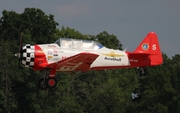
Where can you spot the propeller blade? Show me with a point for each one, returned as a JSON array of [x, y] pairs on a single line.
[[19, 54], [20, 43]]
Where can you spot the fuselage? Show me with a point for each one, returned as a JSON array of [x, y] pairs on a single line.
[[67, 55], [40, 56], [72, 54]]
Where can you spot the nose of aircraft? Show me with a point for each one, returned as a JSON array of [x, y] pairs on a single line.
[[27, 56]]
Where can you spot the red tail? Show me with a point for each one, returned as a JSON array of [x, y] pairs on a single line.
[[148, 52]]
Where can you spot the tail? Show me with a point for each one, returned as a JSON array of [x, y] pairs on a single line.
[[150, 46]]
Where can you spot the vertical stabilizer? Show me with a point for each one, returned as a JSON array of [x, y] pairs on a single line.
[[150, 45]]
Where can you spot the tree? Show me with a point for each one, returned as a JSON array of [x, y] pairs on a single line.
[[93, 91], [108, 40], [18, 85], [71, 33], [41, 27], [161, 86], [8, 102]]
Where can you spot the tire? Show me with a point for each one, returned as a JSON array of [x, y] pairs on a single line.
[[42, 84]]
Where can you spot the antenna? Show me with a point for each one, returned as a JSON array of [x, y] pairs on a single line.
[[126, 48]]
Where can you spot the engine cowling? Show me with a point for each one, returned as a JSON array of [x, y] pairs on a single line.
[[27, 56], [32, 56]]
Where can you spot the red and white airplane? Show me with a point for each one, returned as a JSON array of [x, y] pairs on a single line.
[[67, 55]]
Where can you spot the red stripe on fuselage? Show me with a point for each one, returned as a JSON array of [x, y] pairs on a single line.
[[40, 61]]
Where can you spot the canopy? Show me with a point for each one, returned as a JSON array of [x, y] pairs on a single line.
[[78, 44]]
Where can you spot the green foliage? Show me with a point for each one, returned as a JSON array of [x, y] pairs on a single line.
[[110, 41], [107, 91], [69, 33], [104, 38]]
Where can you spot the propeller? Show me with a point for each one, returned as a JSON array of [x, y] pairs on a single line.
[[20, 44], [19, 54]]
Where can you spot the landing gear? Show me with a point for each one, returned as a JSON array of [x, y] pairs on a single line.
[[51, 82], [47, 81], [42, 84], [136, 93]]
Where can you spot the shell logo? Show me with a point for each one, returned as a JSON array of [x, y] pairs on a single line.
[[113, 54]]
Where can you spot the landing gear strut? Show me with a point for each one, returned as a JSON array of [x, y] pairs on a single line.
[[136, 94], [48, 81], [42, 84]]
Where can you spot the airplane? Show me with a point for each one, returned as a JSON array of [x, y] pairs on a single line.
[[70, 55]]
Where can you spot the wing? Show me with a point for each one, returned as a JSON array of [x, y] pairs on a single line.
[[79, 62]]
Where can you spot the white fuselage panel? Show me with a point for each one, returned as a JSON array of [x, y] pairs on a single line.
[[107, 57]]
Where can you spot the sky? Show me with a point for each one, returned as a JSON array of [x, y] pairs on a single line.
[[129, 20]]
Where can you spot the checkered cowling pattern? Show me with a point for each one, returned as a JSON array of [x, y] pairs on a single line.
[[28, 56]]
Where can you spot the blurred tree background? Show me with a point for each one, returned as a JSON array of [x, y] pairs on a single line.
[[107, 91]]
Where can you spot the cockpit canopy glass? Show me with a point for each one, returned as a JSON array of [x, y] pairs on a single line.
[[78, 44]]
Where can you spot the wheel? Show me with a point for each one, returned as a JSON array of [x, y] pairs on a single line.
[[42, 84], [51, 82]]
